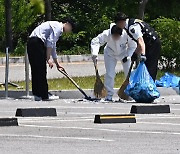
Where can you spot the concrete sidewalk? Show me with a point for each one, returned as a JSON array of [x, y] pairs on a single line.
[[61, 58], [75, 65], [75, 94], [78, 69]]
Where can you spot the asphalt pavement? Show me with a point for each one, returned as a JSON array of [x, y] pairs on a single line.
[[73, 131]]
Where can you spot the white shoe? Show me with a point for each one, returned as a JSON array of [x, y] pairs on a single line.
[[107, 100], [51, 98], [37, 98]]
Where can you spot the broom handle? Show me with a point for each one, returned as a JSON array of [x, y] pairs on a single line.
[[96, 69], [73, 82], [129, 72]]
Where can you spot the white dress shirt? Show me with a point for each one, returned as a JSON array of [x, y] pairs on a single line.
[[49, 32]]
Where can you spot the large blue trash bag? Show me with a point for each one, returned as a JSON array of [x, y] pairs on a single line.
[[168, 80], [141, 86]]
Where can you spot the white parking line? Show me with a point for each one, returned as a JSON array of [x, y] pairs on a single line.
[[107, 130], [164, 115], [74, 107], [60, 120], [90, 113], [54, 137], [8, 111], [50, 118], [175, 109], [85, 119], [160, 117], [153, 123], [86, 107], [89, 118]]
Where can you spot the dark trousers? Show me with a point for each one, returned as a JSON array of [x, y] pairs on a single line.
[[37, 58], [152, 55]]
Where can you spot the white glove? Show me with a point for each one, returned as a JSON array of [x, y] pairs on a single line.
[[94, 58]]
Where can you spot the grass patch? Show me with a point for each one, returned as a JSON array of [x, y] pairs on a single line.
[[2, 54], [64, 83], [83, 82], [162, 72]]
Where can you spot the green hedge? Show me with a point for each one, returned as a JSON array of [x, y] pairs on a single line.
[[169, 32]]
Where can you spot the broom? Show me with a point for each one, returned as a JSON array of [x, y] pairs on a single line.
[[99, 88], [77, 86], [121, 92]]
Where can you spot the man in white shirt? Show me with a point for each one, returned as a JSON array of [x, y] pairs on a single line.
[[41, 45], [148, 43], [119, 46]]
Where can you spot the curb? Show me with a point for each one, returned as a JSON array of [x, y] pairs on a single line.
[[150, 109], [36, 112], [75, 94], [115, 118], [61, 58], [8, 122]]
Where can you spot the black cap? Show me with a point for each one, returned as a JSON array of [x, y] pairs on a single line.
[[120, 16]]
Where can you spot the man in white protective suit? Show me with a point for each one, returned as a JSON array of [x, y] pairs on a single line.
[[119, 46]]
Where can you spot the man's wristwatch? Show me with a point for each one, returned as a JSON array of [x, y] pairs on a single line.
[[143, 58]]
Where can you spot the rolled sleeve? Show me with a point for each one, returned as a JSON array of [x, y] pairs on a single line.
[[54, 53], [135, 31]]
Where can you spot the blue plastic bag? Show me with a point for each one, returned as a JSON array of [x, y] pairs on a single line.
[[168, 80], [179, 87], [141, 86]]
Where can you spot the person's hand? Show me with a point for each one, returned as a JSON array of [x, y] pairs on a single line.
[[59, 67], [50, 63], [94, 58], [143, 58]]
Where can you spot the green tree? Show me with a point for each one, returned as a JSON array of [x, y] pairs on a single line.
[[92, 17], [142, 6], [168, 9], [8, 27], [2, 25], [23, 18], [47, 10]]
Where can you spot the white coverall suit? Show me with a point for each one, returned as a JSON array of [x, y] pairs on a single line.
[[113, 51]]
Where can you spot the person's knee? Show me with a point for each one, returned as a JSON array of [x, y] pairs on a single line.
[[110, 75]]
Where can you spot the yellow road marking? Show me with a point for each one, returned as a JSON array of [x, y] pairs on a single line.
[[115, 117]]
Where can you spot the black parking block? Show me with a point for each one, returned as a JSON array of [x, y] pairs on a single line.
[[8, 122], [36, 112], [150, 109], [120, 118]]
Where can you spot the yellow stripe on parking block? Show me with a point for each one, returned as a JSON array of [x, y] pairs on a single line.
[[116, 117]]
